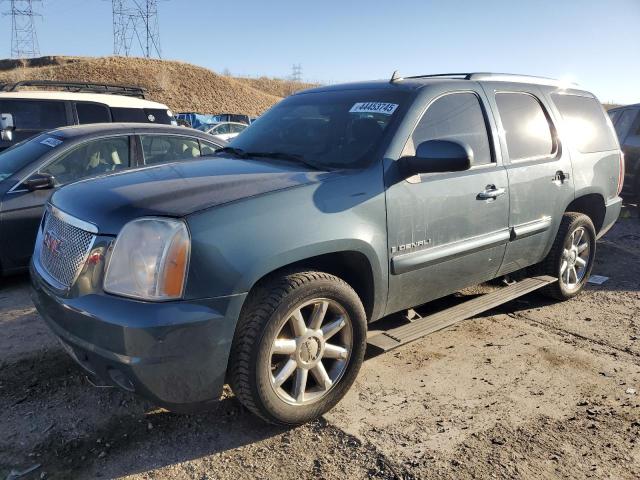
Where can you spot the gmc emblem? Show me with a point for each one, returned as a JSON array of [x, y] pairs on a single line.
[[52, 243]]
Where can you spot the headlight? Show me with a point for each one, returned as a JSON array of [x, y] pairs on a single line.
[[149, 260]]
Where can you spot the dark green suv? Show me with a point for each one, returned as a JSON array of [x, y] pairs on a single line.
[[263, 266]]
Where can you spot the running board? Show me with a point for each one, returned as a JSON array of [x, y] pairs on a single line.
[[424, 326]]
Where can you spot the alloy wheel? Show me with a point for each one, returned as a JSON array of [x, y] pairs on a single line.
[[311, 351], [575, 259]]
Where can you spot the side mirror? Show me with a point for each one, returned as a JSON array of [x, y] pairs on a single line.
[[39, 181], [435, 156], [6, 127]]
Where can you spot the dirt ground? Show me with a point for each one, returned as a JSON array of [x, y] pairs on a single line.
[[533, 389]]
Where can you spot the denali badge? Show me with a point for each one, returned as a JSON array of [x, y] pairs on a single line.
[[52, 242], [411, 246]]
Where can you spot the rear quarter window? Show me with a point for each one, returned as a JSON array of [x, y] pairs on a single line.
[[141, 115], [585, 123], [92, 113]]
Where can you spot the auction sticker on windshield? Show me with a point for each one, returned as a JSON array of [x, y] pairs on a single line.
[[374, 107], [51, 142]]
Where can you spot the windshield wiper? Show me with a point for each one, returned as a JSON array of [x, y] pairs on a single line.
[[236, 152], [288, 157]]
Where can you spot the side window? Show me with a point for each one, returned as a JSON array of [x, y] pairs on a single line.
[[208, 148], [165, 148], [526, 128], [585, 123], [88, 159], [237, 128], [135, 115], [221, 129], [92, 113], [456, 116], [35, 114], [625, 122]]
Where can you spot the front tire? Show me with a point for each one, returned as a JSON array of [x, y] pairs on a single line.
[[571, 257], [298, 347]]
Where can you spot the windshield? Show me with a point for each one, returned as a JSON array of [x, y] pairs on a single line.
[[339, 129], [22, 154]]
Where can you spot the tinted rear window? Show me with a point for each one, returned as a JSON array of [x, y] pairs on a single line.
[[526, 128], [92, 113], [141, 115], [585, 123], [35, 114]]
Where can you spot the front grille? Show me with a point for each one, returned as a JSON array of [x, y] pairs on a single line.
[[63, 248]]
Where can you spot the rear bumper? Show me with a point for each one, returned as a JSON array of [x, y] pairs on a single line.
[[612, 212], [174, 354]]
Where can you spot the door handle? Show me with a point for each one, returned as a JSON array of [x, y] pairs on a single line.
[[560, 177], [491, 192]]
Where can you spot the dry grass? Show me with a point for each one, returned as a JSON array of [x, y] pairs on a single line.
[[181, 86]]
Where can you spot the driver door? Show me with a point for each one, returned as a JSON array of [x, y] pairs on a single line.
[[447, 231], [22, 209]]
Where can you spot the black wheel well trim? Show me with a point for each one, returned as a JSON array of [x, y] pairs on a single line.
[[592, 205], [352, 266]]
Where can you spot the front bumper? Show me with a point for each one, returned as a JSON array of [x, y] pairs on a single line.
[[174, 353]]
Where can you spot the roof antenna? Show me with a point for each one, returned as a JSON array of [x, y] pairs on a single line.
[[395, 77]]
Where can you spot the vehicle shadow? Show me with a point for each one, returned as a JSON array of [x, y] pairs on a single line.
[[131, 444]]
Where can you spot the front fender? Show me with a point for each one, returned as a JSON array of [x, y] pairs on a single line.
[[235, 245]]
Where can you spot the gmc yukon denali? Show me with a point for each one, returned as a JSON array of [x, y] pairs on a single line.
[[263, 265]]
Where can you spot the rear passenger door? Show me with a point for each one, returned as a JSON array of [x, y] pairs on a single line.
[[540, 172], [443, 235]]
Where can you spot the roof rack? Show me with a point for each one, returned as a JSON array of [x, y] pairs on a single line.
[[499, 77], [126, 90]]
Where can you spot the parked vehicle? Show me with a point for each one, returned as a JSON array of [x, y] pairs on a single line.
[[32, 170], [198, 120], [25, 113], [627, 124], [342, 205], [227, 130]]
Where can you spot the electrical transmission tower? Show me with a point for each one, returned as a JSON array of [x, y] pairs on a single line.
[[24, 41], [135, 24], [296, 73]]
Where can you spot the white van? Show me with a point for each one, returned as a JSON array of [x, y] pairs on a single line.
[[25, 112]]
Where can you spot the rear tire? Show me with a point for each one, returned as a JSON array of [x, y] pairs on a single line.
[[298, 347], [571, 257]]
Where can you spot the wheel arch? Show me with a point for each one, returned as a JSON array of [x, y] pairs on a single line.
[[351, 265], [592, 205]]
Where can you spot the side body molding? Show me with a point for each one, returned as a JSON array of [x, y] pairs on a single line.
[[412, 261], [531, 228]]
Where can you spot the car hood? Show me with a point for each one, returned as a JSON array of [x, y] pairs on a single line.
[[176, 189]]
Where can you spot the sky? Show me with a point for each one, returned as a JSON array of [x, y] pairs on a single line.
[[592, 42]]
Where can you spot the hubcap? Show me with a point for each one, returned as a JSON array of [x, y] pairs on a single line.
[[304, 364], [575, 259]]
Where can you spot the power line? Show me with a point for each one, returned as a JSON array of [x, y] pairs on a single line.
[[24, 40], [135, 26]]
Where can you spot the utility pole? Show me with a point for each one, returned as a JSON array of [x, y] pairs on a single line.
[[296, 73], [24, 40], [135, 22]]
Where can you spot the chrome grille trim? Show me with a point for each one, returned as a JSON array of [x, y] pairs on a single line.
[[74, 243]]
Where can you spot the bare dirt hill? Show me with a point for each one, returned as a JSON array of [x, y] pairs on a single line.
[[181, 86]]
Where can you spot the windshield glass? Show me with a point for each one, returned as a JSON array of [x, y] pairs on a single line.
[[22, 154], [339, 129]]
